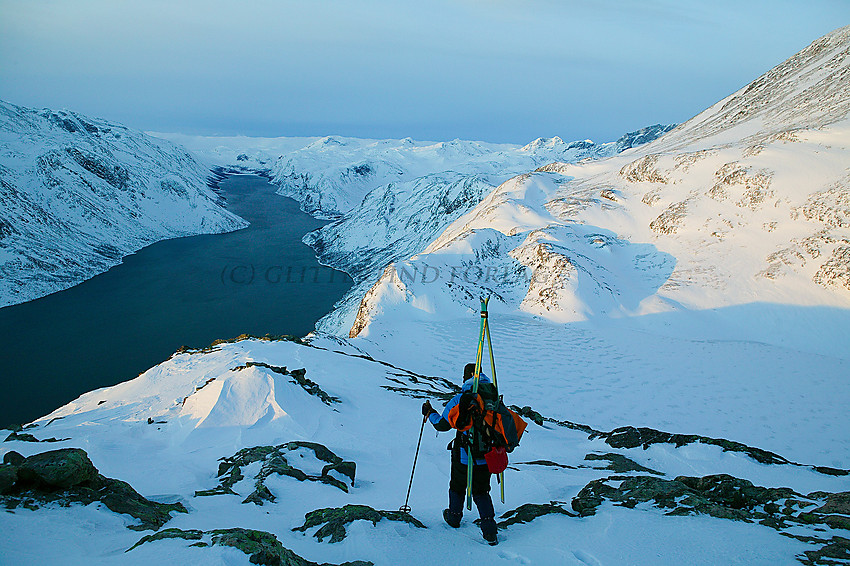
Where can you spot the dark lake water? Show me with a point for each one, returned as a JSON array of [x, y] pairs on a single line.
[[186, 291]]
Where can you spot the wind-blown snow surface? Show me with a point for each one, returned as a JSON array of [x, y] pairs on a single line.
[[203, 409], [77, 194]]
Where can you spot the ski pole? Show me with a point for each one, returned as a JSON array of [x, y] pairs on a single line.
[[406, 508]]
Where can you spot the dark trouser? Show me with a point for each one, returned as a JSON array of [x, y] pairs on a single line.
[[480, 487]]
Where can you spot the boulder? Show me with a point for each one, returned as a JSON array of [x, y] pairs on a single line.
[[13, 458], [61, 468], [8, 477]]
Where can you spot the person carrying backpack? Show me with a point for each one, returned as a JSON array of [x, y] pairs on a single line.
[[453, 412]]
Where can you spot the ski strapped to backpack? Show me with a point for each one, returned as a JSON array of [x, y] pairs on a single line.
[[495, 427], [492, 429]]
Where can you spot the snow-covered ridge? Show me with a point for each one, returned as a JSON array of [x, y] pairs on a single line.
[[77, 194], [399, 218], [332, 175], [390, 198], [675, 232], [746, 202]]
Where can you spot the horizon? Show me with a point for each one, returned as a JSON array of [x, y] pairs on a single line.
[[493, 72]]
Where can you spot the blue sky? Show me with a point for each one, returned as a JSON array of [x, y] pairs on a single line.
[[494, 70]]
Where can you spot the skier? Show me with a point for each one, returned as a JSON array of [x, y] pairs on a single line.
[[459, 462]]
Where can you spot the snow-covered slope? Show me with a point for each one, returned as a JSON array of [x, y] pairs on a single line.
[[171, 432], [399, 218], [77, 194], [332, 175], [747, 202], [688, 399], [390, 198]]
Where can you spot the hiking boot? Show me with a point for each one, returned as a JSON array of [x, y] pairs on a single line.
[[452, 518], [488, 530]]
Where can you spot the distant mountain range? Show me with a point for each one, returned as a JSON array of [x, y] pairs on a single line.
[[77, 194], [671, 320], [748, 201]]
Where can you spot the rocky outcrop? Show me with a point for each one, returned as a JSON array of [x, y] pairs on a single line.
[[334, 520], [726, 497], [274, 461], [644, 437], [260, 546], [530, 511], [27, 437], [68, 476], [298, 377], [58, 468]]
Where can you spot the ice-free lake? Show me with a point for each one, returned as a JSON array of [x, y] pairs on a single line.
[[186, 291]]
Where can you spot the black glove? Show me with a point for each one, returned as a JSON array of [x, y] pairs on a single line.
[[427, 409]]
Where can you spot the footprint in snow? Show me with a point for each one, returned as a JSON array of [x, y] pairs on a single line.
[[586, 558], [514, 557]]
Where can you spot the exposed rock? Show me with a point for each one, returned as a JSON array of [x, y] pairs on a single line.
[[335, 519], [530, 511], [631, 437], [417, 385], [643, 170], [837, 551], [62, 468], [260, 546], [548, 463], [298, 377], [27, 437], [620, 464], [719, 495], [836, 270], [21, 437], [68, 476], [727, 497], [274, 461], [191, 534], [668, 221], [13, 458], [642, 136], [830, 206], [529, 413], [754, 188], [241, 337], [8, 477]]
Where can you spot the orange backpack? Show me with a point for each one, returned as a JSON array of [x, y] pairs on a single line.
[[493, 424]]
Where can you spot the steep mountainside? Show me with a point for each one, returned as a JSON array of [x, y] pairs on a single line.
[[710, 430], [332, 175], [78, 194], [398, 219], [748, 201]]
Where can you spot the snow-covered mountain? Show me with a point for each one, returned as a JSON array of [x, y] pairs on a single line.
[[332, 175], [77, 194], [389, 198], [687, 400], [425, 188], [748, 201]]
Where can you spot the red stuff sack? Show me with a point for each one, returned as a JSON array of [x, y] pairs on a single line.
[[497, 459]]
